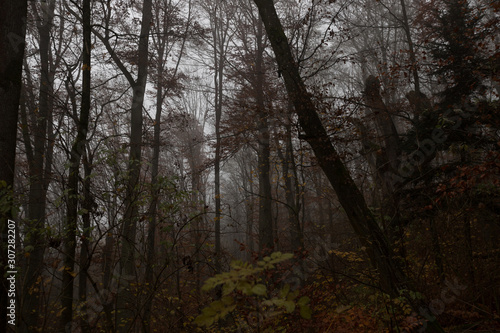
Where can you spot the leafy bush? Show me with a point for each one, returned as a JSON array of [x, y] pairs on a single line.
[[245, 289]]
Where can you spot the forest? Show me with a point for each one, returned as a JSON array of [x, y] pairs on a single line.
[[250, 166]]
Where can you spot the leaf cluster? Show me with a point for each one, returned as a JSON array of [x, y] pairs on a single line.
[[244, 284]]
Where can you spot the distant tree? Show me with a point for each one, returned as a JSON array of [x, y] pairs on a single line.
[[169, 31], [251, 74], [453, 43], [220, 14]]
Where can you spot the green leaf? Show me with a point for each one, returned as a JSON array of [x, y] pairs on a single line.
[[227, 300], [259, 289], [289, 306], [217, 306], [204, 320], [293, 295], [305, 312], [244, 286], [227, 310], [209, 311], [228, 288], [284, 292], [304, 300], [275, 255]]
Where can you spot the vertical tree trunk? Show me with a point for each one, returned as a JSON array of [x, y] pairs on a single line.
[[152, 213], [411, 48], [392, 278], [436, 247], [12, 40], [39, 167], [218, 209], [126, 312], [219, 41], [77, 151], [291, 192], [88, 202], [469, 251], [266, 229], [387, 163], [249, 206]]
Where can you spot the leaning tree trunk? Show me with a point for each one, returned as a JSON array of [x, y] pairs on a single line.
[[392, 278]]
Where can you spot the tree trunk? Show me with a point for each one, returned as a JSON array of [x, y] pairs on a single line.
[[39, 168], [152, 213], [85, 257], [12, 40], [219, 42], [436, 247], [126, 313], [411, 48], [266, 232], [77, 151], [392, 278], [291, 191], [387, 163]]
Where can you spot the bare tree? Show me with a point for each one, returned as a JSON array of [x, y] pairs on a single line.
[[125, 313], [39, 151], [165, 20], [77, 150]]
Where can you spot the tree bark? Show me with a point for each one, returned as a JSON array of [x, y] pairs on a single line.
[[291, 191], [77, 150], [219, 37], [388, 161], [152, 213], [411, 48], [85, 255], [266, 229], [39, 165], [12, 40], [126, 313]]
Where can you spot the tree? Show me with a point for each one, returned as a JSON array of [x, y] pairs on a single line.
[[77, 150], [252, 77], [393, 279], [220, 13], [166, 21], [12, 40], [125, 313], [39, 151]]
